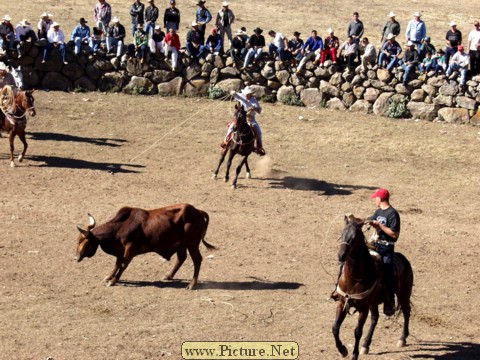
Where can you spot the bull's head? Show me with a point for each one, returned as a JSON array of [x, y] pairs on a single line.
[[87, 243]]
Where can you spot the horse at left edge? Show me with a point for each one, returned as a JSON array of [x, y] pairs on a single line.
[[13, 117]]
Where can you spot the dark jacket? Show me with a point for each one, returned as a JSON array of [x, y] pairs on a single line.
[[117, 32], [171, 15], [136, 11], [151, 13]]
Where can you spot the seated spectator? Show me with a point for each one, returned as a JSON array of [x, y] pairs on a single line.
[[369, 56], [426, 48], [156, 43], [439, 63], [214, 44], [80, 35], [140, 43], [313, 43], [426, 64], [410, 61], [116, 37], [459, 62], [389, 54], [237, 51], [172, 44], [7, 33], [56, 39], [277, 46], [256, 43], [44, 25], [348, 53], [95, 40], [330, 48], [23, 33], [294, 49], [194, 42]]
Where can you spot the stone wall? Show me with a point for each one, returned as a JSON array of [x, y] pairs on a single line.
[[377, 91]]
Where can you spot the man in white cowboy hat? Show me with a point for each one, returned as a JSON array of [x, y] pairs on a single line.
[[391, 26], [7, 32], [116, 37], [224, 21], [453, 38], [391, 49], [330, 49], [56, 39], [194, 45], [44, 25], [416, 30], [409, 61], [238, 50], [7, 79], [251, 105], [24, 32], [202, 18]]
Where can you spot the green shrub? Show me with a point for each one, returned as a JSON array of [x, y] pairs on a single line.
[[397, 109], [268, 98], [216, 93], [293, 100]]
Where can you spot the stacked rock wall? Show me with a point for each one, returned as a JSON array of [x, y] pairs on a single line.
[[376, 91]]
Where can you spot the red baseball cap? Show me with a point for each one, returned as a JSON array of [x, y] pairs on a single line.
[[381, 193]]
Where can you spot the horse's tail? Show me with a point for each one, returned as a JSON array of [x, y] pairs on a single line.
[[7, 99], [206, 217], [404, 282]]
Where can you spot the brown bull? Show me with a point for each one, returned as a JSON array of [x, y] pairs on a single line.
[[133, 231]]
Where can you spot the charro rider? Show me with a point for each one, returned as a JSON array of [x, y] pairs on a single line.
[[8, 91], [251, 105], [386, 222]]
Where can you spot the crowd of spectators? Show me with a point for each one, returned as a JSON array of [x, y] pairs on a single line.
[[153, 37]]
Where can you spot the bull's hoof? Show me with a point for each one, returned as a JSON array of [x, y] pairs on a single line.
[[249, 176], [401, 343], [12, 164], [20, 158], [364, 350]]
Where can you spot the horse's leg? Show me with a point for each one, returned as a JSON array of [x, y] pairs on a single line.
[[11, 137], [362, 317], [229, 163], [249, 175], [237, 172], [404, 301], [340, 316], [22, 138], [374, 320], [220, 161]]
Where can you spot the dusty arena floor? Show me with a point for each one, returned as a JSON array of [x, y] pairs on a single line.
[[276, 263]]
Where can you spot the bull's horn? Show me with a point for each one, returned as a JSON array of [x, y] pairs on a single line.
[[91, 221], [83, 231]]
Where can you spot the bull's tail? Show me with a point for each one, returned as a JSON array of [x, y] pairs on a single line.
[[207, 220]]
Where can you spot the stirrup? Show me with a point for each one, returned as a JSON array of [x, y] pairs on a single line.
[[260, 151]]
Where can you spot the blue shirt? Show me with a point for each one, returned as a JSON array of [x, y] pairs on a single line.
[[203, 16], [394, 49], [416, 30], [83, 32], [313, 44]]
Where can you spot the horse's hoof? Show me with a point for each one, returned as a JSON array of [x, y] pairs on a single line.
[[234, 187], [344, 351], [226, 179], [401, 343], [214, 176], [12, 164], [20, 158], [364, 350], [249, 176]]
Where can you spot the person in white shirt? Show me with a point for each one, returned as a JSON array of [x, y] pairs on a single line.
[[44, 25], [459, 62], [56, 39], [24, 32], [370, 55], [474, 48], [278, 45]]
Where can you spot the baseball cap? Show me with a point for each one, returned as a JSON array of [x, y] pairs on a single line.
[[460, 47], [381, 193]]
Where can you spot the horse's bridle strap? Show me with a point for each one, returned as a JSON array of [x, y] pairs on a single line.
[[360, 296]]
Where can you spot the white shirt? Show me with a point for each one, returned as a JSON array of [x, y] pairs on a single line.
[[279, 40], [55, 36], [474, 40], [370, 50], [43, 24], [461, 59], [248, 104], [22, 31]]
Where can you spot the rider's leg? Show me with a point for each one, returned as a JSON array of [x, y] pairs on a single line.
[[334, 295], [227, 136], [389, 303], [258, 134]]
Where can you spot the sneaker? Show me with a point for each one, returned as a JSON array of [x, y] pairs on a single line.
[[242, 68], [43, 61], [65, 62]]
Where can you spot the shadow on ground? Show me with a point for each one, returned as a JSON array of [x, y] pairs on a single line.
[[49, 136], [68, 163], [453, 350], [296, 183]]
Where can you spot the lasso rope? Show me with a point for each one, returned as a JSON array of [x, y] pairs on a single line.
[[7, 100]]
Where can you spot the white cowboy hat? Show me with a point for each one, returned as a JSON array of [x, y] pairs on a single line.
[[157, 27], [3, 67], [392, 14], [116, 19], [409, 43], [247, 90], [239, 32], [55, 24], [453, 23], [45, 14], [417, 13], [24, 22], [390, 36], [329, 30], [225, 3], [7, 17], [194, 23]]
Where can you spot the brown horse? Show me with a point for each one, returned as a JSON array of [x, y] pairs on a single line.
[[242, 143], [13, 117], [361, 286]]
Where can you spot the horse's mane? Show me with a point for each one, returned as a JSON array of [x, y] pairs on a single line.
[[7, 100]]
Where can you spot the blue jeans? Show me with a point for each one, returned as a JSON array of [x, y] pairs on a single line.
[[408, 69], [195, 52], [392, 60], [48, 49], [94, 45], [387, 253], [463, 72], [252, 53], [272, 49], [149, 28]]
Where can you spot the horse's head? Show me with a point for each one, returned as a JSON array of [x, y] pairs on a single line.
[[26, 102], [352, 238], [240, 116]]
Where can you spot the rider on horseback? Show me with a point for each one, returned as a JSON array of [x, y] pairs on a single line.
[[6, 78], [251, 106]]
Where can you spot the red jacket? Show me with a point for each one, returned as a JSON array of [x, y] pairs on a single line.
[[173, 40]]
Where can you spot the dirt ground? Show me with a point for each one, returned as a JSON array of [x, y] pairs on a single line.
[[277, 233]]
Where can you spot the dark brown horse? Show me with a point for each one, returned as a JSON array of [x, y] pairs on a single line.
[[361, 286], [13, 117], [242, 143]]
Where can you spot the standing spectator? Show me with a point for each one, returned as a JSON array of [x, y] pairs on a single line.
[[474, 48], [256, 43], [460, 62], [278, 45], [348, 52], [102, 15], [390, 51], [453, 39], [116, 37], [225, 19], [203, 17], [410, 61], [7, 33], [156, 42], [426, 48], [294, 50], [194, 45], [392, 26], [136, 12], [416, 30], [313, 43], [330, 48], [172, 44], [369, 56], [151, 16], [140, 43], [56, 39], [214, 42], [24, 32], [171, 18], [80, 35], [355, 28], [237, 51], [44, 25]]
